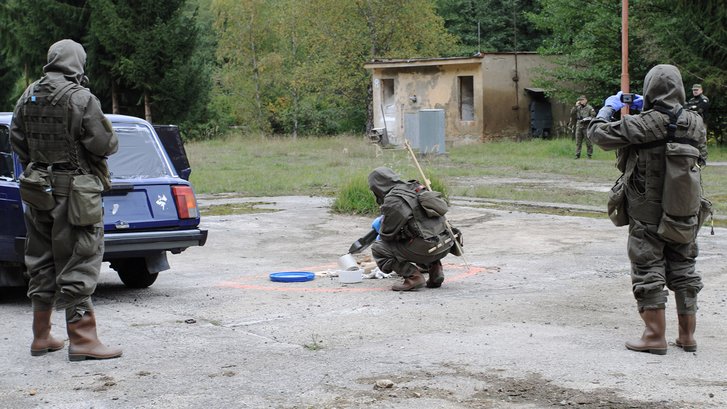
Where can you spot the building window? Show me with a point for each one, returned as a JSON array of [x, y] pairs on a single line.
[[466, 98]]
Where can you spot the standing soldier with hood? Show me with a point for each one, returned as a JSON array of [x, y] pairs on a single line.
[[63, 139], [412, 229], [664, 144]]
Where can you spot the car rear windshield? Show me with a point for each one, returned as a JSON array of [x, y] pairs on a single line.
[[139, 155]]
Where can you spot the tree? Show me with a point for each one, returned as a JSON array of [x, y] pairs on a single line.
[[29, 27], [302, 62], [503, 25], [584, 42], [690, 35], [149, 45]]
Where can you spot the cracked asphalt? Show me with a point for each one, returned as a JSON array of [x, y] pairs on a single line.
[[536, 318]]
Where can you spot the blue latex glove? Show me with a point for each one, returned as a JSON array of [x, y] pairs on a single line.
[[614, 101], [376, 224], [638, 103]]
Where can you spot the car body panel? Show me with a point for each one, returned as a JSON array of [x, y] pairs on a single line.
[[140, 213]]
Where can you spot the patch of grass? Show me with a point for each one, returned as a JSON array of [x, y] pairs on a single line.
[[315, 344], [356, 198], [534, 208], [234, 208], [324, 166], [538, 193]]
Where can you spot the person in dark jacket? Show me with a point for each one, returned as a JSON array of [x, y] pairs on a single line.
[[412, 229], [662, 243], [699, 102], [63, 139]]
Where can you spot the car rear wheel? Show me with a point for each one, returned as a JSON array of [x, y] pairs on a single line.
[[134, 272]]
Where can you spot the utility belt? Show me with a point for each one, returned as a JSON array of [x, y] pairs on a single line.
[[57, 176], [40, 185], [53, 167]]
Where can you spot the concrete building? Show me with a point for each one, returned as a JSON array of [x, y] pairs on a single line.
[[487, 96]]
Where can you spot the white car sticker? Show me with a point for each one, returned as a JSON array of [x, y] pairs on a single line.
[[162, 201]]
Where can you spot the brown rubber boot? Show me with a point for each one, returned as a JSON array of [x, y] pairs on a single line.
[[653, 339], [84, 343], [414, 281], [43, 341], [436, 275], [687, 325]]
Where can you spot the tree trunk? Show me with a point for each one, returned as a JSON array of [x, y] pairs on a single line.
[[114, 97], [147, 106]]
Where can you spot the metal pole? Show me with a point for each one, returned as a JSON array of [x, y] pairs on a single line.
[[625, 52]]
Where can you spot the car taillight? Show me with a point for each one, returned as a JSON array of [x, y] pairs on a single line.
[[186, 203]]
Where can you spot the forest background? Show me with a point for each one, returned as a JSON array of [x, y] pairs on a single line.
[[295, 67]]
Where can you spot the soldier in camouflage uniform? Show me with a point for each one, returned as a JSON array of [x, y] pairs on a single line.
[[657, 260], [62, 137], [413, 230], [581, 114]]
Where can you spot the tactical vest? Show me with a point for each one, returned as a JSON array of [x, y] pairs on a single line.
[[419, 224], [45, 115], [658, 179]]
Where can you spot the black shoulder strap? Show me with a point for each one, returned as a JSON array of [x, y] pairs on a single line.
[[672, 127]]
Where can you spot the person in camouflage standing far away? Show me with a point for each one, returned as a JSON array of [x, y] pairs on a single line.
[[663, 145], [63, 139], [581, 114]]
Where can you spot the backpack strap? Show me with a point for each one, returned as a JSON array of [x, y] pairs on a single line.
[[671, 130]]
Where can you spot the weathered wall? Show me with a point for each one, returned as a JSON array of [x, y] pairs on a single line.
[[505, 101], [501, 104], [427, 87]]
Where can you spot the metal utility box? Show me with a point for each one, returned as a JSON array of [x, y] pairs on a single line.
[[411, 129], [431, 131]]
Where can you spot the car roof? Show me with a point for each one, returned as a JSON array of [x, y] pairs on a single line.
[[5, 118]]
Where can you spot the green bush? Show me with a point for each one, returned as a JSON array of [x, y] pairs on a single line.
[[356, 198]]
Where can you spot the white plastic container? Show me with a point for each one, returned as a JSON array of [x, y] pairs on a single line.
[[350, 276], [347, 262]]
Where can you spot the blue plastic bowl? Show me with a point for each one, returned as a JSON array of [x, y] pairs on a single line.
[[292, 276]]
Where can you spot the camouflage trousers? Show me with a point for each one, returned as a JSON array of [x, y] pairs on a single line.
[[398, 255], [656, 263], [580, 137], [63, 261]]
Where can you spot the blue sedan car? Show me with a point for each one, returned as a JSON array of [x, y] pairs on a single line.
[[149, 212]]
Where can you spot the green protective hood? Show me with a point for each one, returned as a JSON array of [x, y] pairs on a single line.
[[66, 57], [381, 181], [663, 87]]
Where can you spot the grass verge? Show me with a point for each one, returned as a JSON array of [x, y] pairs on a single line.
[[536, 170]]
